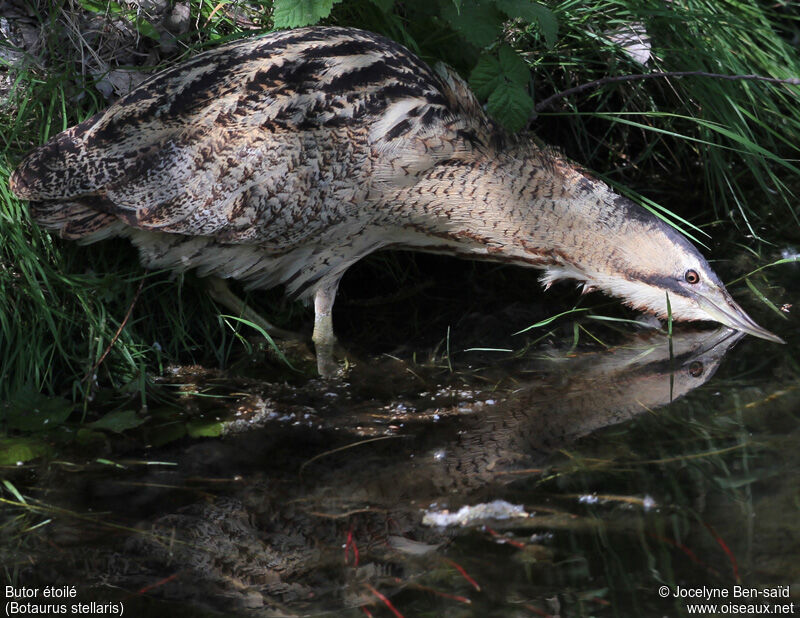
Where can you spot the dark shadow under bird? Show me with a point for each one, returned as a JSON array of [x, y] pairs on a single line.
[[284, 159]]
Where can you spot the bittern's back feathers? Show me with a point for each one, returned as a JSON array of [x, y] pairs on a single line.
[[231, 118]]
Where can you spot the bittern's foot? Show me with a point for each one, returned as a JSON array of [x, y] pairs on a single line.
[[327, 365], [334, 361]]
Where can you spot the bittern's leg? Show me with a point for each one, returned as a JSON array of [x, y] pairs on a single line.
[[324, 339], [220, 292]]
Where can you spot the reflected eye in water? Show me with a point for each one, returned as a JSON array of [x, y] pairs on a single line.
[[696, 369]]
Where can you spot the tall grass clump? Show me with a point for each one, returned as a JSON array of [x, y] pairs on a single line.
[[734, 144], [62, 306]]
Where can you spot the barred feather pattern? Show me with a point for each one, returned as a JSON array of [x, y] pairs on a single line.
[[284, 159], [262, 159]]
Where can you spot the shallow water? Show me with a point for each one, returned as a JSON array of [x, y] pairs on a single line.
[[562, 481]]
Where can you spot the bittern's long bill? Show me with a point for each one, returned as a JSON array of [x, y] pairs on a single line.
[[284, 159]]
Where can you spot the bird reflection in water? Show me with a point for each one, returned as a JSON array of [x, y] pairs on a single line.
[[272, 540]]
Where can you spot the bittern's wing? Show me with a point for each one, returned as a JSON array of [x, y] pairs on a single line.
[[251, 135]]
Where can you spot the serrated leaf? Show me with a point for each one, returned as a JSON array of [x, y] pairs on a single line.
[[293, 13], [485, 77], [503, 80], [118, 422], [514, 68], [533, 12], [510, 105], [480, 23]]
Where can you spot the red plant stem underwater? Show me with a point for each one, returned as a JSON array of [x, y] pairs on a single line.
[[464, 574], [351, 542], [386, 601], [726, 549], [159, 583]]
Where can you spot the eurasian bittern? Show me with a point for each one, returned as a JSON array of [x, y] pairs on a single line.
[[284, 159]]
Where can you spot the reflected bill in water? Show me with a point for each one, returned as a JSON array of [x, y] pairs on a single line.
[[324, 518]]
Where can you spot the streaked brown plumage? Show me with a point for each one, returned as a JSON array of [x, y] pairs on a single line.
[[287, 158]]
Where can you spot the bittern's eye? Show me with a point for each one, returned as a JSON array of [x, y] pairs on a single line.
[[696, 369], [691, 276]]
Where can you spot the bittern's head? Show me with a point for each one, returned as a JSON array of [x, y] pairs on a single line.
[[631, 254]]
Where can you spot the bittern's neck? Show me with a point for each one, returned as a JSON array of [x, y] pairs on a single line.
[[525, 206]]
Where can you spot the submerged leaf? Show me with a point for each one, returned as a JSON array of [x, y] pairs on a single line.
[[17, 450], [30, 410], [119, 421], [164, 434], [204, 429]]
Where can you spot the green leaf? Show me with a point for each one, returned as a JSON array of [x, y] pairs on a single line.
[[551, 319], [29, 410], [101, 6], [108, 462], [293, 13], [104, 7], [14, 491], [511, 105], [14, 450], [118, 422], [764, 299], [486, 76], [533, 12], [145, 28], [263, 333], [204, 429], [491, 71], [480, 23], [514, 68], [503, 80]]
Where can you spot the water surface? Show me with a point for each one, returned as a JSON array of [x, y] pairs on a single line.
[[565, 480]]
